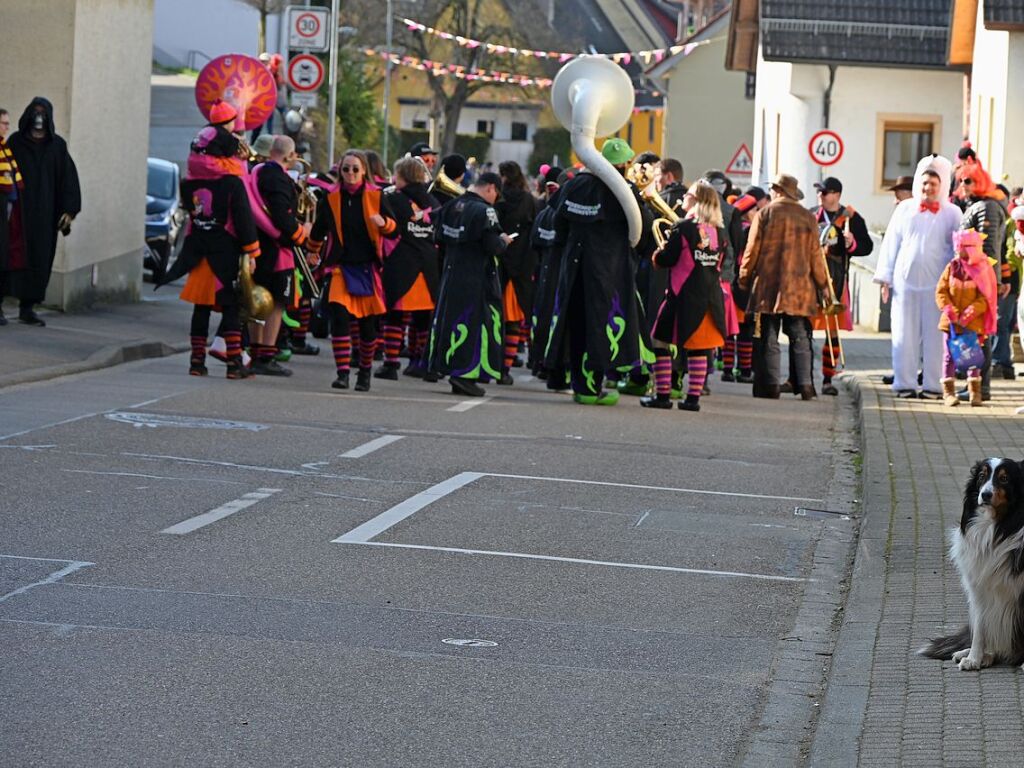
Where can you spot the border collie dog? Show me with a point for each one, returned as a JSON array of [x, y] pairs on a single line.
[[988, 551]]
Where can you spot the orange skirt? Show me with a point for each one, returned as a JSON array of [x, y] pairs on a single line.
[[417, 297], [707, 335], [513, 312], [845, 319], [201, 285], [357, 306]]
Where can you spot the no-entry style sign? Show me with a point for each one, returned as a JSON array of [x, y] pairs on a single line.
[[305, 73], [307, 28], [826, 148]]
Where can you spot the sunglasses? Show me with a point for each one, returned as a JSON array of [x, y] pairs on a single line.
[[351, 168]]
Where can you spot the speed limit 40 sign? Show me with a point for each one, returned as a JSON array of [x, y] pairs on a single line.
[[826, 148]]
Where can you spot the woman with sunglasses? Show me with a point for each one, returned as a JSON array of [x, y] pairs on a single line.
[[355, 219]]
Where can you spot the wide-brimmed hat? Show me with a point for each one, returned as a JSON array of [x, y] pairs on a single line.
[[263, 144], [904, 183], [788, 186]]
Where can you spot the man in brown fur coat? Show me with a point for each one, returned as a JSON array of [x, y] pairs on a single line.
[[784, 271]]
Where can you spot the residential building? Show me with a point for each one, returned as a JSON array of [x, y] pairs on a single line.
[[709, 110], [988, 37], [875, 73]]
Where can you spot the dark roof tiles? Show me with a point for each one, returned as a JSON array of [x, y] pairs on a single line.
[[1004, 12], [907, 33]]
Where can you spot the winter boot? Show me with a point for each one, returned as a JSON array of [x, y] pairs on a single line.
[[949, 397], [363, 380], [974, 389]]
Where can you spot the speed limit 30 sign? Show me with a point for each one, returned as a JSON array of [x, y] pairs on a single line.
[[308, 28], [826, 148]]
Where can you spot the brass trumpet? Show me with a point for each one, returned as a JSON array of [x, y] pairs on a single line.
[[643, 175], [444, 184]]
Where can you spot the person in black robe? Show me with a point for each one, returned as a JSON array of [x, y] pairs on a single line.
[[597, 318], [466, 333], [544, 239], [516, 211], [50, 201]]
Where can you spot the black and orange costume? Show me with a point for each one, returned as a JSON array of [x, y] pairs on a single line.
[[516, 211], [274, 206], [832, 229], [220, 229], [410, 276], [692, 313], [12, 244], [353, 262]]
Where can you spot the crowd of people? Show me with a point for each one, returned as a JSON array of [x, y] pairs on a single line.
[[471, 272], [470, 282]]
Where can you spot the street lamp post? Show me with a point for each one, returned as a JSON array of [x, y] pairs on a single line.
[[332, 84], [387, 85]]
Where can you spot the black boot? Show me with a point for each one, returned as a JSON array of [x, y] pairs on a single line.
[[363, 380], [691, 403], [342, 381], [658, 401], [388, 371]]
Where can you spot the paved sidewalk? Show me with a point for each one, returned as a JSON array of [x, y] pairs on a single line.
[[886, 706], [107, 334]]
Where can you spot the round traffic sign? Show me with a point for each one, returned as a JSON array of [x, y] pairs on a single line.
[[307, 25], [826, 148], [305, 73]]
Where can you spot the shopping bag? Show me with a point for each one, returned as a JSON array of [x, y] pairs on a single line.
[[965, 349]]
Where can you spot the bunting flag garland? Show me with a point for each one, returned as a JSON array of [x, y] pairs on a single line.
[[457, 70], [656, 55]]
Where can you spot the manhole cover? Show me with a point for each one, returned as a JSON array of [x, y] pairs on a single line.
[[470, 643]]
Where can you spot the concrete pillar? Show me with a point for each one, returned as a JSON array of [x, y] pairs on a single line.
[[92, 59]]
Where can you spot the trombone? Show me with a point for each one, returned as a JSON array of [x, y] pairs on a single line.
[[831, 307], [306, 209]]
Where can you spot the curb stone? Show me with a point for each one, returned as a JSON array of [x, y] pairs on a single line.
[[106, 357]]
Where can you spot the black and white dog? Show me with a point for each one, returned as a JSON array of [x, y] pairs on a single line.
[[988, 551]]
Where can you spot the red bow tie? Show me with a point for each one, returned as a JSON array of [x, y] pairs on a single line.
[[933, 207]]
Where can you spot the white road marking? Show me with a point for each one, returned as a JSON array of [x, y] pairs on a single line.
[[466, 405], [199, 521], [370, 447], [153, 477], [653, 487], [377, 525], [636, 566], [273, 470], [52, 424], [53, 578]]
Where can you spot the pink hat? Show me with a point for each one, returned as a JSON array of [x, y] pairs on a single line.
[[222, 112], [969, 240]]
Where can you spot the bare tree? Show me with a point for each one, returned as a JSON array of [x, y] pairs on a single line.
[[266, 8], [520, 23]]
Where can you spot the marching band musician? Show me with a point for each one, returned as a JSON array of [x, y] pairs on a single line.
[[222, 227], [843, 234], [275, 203], [597, 316], [356, 218], [466, 333], [410, 272]]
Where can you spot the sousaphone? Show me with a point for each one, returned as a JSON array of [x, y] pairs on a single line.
[[593, 97]]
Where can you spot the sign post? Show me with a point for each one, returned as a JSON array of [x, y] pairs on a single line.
[[332, 82], [307, 28], [826, 148]]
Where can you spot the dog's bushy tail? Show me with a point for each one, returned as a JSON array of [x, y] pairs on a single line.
[[943, 648]]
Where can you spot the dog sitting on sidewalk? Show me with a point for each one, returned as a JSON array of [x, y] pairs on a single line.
[[988, 551]]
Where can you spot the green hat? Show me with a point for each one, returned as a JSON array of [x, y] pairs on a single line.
[[617, 151]]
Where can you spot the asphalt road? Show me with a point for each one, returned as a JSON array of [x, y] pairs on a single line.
[[204, 572]]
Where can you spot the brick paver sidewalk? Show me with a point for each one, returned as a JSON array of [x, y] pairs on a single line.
[[886, 705]]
